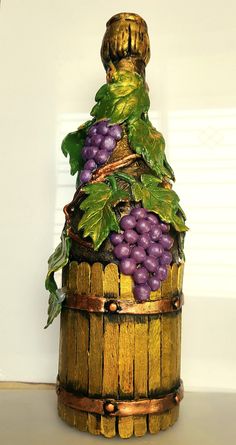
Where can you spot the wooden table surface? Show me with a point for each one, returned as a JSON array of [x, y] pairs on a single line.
[[30, 417]]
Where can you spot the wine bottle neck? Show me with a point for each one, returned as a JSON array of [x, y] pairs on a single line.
[[131, 64]]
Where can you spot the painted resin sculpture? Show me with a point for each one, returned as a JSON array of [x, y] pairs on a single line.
[[122, 259]]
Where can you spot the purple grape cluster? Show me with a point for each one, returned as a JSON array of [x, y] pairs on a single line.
[[99, 144], [143, 250]]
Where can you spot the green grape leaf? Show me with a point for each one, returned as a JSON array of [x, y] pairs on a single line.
[[124, 97], [150, 144], [56, 261], [99, 217], [157, 199], [72, 145]]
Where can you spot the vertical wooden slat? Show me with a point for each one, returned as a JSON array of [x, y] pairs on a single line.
[[95, 348], [175, 374], [180, 273], [154, 367], [126, 357], [166, 348], [140, 369], [69, 333], [179, 327], [154, 377], [111, 348], [82, 334], [63, 348]]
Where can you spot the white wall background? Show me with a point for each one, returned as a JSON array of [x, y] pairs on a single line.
[[51, 68]]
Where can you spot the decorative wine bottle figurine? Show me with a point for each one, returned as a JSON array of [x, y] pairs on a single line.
[[122, 257]]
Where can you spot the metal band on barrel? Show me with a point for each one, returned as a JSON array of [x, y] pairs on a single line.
[[122, 408], [93, 303]]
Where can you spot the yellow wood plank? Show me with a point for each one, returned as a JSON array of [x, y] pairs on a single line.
[[67, 346], [166, 348], [111, 348], [95, 348], [180, 277], [63, 349], [71, 328], [154, 367], [126, 356], [140, 369], [179, 333], [177, 340], [82, 339]]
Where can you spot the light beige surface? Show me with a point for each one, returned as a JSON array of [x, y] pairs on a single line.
[[30, 417]]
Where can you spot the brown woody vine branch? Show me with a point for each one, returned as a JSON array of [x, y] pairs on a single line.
[[100, 174]]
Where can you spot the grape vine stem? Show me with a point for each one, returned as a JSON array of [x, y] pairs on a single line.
[[110, 168]]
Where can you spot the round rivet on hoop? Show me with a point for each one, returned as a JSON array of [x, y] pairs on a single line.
[[177, 399], [109, 407], [176, 303], [112, 307]]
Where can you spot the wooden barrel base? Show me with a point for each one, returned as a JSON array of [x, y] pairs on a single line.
[[118, 356], [124, 427]]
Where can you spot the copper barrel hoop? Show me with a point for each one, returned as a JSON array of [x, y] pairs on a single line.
[[121, 408], [92, 303]]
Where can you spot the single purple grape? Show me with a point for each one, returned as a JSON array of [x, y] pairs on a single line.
[[130, 236], [161, 273], [138, 253], [138, 212], [91, 152], [144, 240], [101, 157], [166, 241], [155, 249], [142, 292], [165, 228], [92, 130], [85, 176], [127, 266], [102, 128], [88, 141], [152, 218], [143, 226], [96, 140], [90, 165], [85, 152], [127, 222], [122, 251], [108, 143], [155, 233], [116, 238], [166, 258], [115, 131], [154, 283], [150, 263], [140, 275]]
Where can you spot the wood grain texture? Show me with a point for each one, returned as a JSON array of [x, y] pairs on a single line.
[[140, 369], [166, 348], [68, 349], [176, 342], [82, 337], [154, 376], [126, 357], [95, 348], [111, 348]]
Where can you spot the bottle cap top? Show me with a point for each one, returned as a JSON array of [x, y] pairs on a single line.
[[126, 36]]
